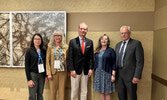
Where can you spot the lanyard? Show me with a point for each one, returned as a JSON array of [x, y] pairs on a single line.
[[56, 51], [39, 58]]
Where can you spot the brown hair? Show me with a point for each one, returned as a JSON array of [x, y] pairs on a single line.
[[99, 46]]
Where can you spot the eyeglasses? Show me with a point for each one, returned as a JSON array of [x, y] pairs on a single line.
[[83, 29], [37, 39], [104, 39], [57, 35], [124, 33]]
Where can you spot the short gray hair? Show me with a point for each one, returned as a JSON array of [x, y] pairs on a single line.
[[128, 27]]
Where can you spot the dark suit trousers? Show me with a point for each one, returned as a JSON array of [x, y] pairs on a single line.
[[126, 87]]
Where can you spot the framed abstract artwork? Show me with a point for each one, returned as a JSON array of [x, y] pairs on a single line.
[[17, 29], [4, 39]]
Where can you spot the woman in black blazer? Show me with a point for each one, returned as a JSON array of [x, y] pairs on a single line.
[[35, 68]]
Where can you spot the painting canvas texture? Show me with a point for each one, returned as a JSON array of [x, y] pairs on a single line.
[[24, 25]]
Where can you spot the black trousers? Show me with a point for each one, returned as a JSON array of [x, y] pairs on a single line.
[[126, 88]]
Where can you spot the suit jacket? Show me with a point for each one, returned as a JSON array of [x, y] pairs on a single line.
[[50, 70], [78, 61], [133, 60], [31, 61]]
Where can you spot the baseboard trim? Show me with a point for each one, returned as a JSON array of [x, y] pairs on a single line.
[[159, 79]]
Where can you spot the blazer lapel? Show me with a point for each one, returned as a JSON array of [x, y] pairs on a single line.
[[117, 51], [78, 44], [86, 45], [128, 46], [119, 45]]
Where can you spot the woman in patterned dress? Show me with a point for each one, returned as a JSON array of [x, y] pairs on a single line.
[[105, 66], [56, 65]]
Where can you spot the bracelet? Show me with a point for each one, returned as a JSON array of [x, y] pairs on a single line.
[[113, 75]]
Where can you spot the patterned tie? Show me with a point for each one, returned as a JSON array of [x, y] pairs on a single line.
[[83, 46], [121, 54]]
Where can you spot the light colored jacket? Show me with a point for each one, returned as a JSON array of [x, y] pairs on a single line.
[[50, 70]]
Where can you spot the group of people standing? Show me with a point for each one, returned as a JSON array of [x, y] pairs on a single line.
[[124, 64]]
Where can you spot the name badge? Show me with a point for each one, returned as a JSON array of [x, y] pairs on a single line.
[[57, 64], [41, 68]]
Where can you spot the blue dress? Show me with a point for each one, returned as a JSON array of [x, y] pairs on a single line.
[[102, 80]]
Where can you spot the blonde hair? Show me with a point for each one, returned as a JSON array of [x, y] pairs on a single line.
[[52, 41]]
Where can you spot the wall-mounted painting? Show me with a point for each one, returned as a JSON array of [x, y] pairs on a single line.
[[4, 40], [22, 27]]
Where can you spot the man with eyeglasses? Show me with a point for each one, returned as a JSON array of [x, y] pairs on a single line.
[[130, 62], [80, 62]]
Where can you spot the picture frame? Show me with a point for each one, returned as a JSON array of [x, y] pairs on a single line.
[[17, 29]]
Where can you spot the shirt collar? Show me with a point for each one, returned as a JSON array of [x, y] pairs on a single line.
[[81, 38], [126, 41]]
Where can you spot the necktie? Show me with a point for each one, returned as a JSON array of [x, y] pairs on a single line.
[[121, 54], [83, 46]]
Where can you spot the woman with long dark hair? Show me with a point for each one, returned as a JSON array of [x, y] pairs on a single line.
[[35, 61]]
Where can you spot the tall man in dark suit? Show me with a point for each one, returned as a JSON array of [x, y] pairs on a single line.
[[80, 62], [130, 61]]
